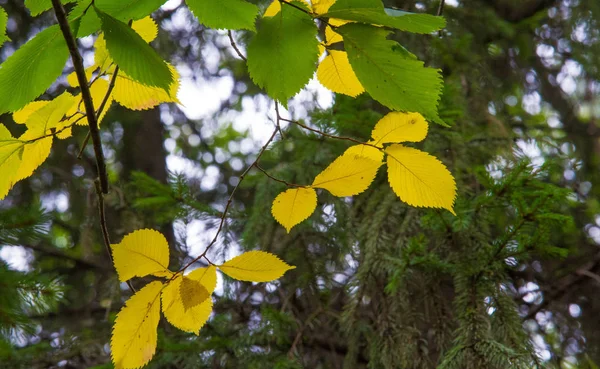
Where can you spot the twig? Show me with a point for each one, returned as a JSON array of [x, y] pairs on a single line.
[[111, 86], [86, 96], [235, 47], [229, 201], [277, 179], [439, 14], [104, 227]]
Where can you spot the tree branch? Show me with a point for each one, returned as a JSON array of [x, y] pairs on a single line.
[[86, 96]]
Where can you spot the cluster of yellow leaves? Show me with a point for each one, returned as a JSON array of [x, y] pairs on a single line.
[[334, 71], [185, 299], [418, 178], [44, 119]]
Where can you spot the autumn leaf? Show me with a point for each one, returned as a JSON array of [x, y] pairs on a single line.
[[255, 266], [293, 206], [141, 253], [348, 175], [134, 335], [336, 74], [420, 179], [400, 127]]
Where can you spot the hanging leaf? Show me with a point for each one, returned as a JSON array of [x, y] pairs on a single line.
[[348, 175], [390, 77], [43, 57], [293, 206], [21, 115], [49, 117], [192, 319], [141, 253], [255, 266], [34, 154], [373, 12], [192, 292], [133, 55], [283, 54], [400, 127], [134, 335], [224, 14], [336, 74], [420, 179], [135, 96], [89, 21]]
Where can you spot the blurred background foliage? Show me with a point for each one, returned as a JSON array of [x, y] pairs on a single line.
[[510, 282]]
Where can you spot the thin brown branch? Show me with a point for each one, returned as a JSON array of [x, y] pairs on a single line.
[[277, 179], [86, 96], [104, 227], [61, 255], [229, 202], [235, 47]]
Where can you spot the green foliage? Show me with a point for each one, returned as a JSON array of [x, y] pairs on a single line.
[[125, 10], [391, 78], [224, 14], [90, 23], [39, 6], [373, 12], [28, 72], [282, 56], [132, 54]]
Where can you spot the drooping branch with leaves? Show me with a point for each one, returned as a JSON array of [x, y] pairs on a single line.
[[345, 42]]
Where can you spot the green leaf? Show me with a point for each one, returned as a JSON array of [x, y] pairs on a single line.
[[28, 72], [90, 23], [224, 14], [373, 12], [3, 22], [282, 56], [133, 55], [391, 78], [39, 6], [125, 10]]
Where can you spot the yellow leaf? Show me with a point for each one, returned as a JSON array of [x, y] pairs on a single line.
[[336, 74], [321, 6], [293, 206], [10, 160], [135, 96], [50, 116], [146, 28], [98, 91], [21, 116], [141, 253], [366, 151], [255, 266], [192, 319], [420, 179], [348, 175], [192, 292], [34, 153], [134, 333], [72, 78], [275, 7], [64, 133], [400, 127], [331, 37]]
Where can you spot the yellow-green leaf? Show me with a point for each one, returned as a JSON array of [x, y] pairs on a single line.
[[134, 333], [10, 160], [293, 206], [321, 6], [348, 175], [400, 127], [255, 266], [34, 153], [336, 74], [141, 253], [21, 116], [366, 151], [192, 319], [275, 7], [420, 179]]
